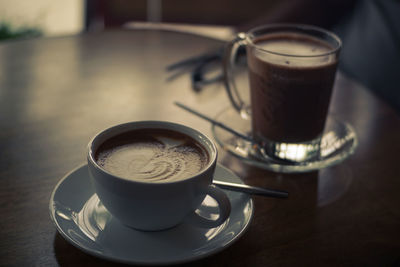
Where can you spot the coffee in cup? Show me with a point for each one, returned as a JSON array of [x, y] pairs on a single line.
[[152, 155], [153, 175]]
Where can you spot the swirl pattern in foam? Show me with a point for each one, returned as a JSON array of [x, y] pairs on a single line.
[[152, 155]]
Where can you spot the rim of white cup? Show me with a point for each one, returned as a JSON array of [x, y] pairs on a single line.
[[153, 124]]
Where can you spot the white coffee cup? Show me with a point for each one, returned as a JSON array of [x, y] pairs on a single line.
[[156, 206]]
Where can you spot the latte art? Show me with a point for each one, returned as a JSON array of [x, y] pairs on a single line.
[[152, 156]]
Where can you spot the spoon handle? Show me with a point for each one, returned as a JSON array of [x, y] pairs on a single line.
[[253, 190], [217, 123]]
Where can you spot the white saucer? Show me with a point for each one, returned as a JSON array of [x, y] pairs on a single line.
[[339, 141], [82, 220]]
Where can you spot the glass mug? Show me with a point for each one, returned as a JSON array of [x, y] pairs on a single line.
[[291, 70]]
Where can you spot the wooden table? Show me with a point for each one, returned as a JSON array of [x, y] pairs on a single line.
[[56, 93]]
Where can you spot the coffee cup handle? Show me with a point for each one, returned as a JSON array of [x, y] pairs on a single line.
[[231, 51], [224, 209]]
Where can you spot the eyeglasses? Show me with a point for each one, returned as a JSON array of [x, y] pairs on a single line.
[[204, 69]]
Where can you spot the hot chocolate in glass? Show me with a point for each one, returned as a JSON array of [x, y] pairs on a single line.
[[291, 73]]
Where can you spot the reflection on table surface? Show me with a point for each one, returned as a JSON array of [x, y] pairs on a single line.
[[56, 93]]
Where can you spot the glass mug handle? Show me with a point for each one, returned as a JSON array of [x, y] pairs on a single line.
[[228, 64]]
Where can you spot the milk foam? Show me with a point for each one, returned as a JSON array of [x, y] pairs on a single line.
[[161, 160], [316, 51]]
